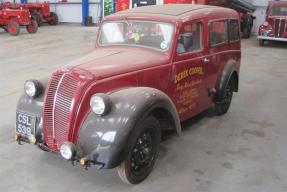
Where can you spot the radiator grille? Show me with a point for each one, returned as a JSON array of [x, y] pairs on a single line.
[[280, 27], [57, 109]]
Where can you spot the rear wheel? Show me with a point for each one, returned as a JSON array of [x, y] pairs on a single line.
[[261, 42], [38, 18], [223, 105], [13, 28], [32, 27], [143, 154], [53, 20]]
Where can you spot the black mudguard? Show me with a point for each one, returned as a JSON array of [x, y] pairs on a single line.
[[226, 74], [106, 139]]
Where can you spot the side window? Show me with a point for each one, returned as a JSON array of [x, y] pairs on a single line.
[[190, 38], [233, 30], [218, 32]]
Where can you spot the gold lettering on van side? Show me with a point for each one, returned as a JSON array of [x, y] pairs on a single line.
[[187, 73]]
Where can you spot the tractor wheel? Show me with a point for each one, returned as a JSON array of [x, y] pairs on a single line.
[[32, 27], [13, 28], [53, 20], [38, 18]]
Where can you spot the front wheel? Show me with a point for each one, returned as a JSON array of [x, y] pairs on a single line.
[[143, 154], [13, 28], [32, 27], [53, 19], [222, 106]]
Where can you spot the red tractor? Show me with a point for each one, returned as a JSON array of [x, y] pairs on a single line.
[[12, 19], [39, 11]]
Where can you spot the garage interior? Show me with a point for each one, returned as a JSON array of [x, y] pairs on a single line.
[[244, 150]]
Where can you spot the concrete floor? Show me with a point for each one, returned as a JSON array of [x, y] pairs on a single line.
[[245, 150]]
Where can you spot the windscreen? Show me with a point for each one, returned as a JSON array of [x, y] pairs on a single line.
[[279, 11], [149, 34]]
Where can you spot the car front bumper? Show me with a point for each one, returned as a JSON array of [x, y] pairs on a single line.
[[272, 38]]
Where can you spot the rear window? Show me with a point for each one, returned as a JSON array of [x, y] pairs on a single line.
[[218, 32], [233, 30]]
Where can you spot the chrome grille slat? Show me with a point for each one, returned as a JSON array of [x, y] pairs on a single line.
[[280, 27], [57, 109]]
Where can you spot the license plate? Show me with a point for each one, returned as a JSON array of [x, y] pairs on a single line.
[[25, 124]]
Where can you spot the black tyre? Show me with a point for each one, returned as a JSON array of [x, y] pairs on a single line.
[[13, 28], [261, 42], [143, 154], [32, 27], [38, 18], [222, 106], [53, 19]]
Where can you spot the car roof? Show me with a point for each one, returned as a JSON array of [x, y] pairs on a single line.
[[168, 9], [171, 11]]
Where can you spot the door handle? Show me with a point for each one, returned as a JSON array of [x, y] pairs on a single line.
[[206, 60]]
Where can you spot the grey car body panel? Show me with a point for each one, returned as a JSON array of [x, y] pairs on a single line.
[[106, 139], [33, 106]]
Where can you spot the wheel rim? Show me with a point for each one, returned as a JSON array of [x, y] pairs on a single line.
[[13, 29], [31, 27], [143, 153]]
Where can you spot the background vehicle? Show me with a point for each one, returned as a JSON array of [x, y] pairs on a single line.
[[244, 8], [39, 11], [12, 19], [275, 26], [152, 68]]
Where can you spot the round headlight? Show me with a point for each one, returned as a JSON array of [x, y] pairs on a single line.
[[33, 88], [100, 104], [67, 150], [266, 24]]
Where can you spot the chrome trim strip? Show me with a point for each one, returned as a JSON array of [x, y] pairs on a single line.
[[54, 103], [272, 38]]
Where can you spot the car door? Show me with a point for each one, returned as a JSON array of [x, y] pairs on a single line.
[[188, 69]]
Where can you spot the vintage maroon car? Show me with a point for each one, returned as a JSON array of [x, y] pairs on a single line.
[[153, 67], [275, 26]]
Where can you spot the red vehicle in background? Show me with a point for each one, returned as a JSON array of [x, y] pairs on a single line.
[[39, 11], [244, 8], [12, 19], [275, 26]]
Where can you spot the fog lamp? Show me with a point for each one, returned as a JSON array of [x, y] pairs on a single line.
[[67, 150], [266, 24], [32, 139]]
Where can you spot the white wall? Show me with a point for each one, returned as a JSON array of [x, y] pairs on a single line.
[[259, 13]]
